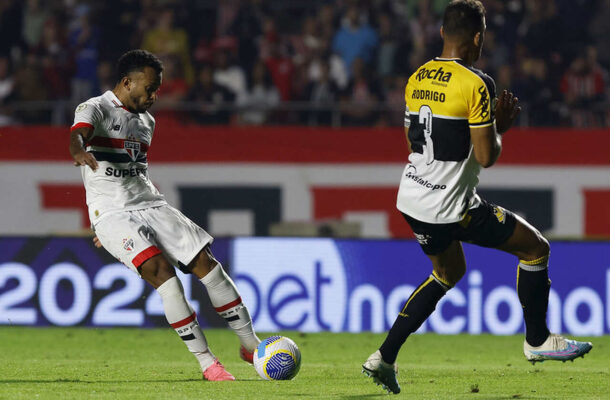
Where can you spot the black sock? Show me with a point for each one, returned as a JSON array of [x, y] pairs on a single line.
[[416, 310], [533, 289]]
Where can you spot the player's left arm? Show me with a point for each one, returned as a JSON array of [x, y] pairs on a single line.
[[407, 125], [487, 140]]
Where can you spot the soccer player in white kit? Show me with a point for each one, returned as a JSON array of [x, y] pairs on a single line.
[[131, 219]]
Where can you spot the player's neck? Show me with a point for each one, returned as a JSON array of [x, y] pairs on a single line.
[[122, 98], [451, 50]]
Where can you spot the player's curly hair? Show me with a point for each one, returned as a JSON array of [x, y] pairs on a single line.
[[136, 60], [464, 18]]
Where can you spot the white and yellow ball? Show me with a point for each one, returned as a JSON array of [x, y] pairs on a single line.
[[277, 358]]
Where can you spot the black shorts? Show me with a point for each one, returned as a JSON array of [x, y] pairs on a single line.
[[487, 225]]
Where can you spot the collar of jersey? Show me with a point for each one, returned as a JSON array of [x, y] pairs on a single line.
[[115, 100], [447, 59]]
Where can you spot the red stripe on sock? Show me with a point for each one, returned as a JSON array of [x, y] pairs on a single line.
[[228, 305], [185, 321], [145, 255]]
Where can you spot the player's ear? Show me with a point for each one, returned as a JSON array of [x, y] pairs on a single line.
[[477, 39], [126, 82]]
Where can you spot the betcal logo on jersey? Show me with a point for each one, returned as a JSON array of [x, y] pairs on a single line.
[[434, 74]]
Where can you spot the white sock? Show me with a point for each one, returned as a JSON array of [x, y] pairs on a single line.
[[226, 300], [183, 319]]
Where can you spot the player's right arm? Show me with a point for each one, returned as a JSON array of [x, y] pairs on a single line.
[[86, 117], [78, 138]]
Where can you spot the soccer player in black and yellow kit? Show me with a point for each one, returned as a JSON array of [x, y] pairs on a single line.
[[454, 125]]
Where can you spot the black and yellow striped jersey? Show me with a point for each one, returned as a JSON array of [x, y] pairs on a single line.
[[444, 99]]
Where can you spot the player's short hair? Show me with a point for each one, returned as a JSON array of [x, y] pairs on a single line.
[[464, 18], [136, 60]]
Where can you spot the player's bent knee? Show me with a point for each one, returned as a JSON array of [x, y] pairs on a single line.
[[203, 263], [542, 248], [156, 270]]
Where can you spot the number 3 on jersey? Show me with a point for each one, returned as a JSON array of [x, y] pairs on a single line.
[[425, 118]]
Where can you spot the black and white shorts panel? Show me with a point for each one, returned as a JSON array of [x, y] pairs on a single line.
[[487, 225]]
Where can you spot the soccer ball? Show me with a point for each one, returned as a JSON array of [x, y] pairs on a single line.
[[277, 358]]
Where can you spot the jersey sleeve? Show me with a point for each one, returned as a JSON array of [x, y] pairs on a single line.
[[407, 117], [482, 95], [87, 114]]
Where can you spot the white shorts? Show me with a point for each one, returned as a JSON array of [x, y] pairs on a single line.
[[133, 237]]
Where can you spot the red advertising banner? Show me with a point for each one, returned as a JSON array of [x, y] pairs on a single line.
[[240, 180]]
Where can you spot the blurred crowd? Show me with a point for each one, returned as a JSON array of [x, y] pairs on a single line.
[[313, 62]]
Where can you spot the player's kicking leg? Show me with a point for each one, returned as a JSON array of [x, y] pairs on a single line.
[[160, 274], [226, 300], [533, 286]]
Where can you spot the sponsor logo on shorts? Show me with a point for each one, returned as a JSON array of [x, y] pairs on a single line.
[[422, 238], [500, 214], [128, 244]]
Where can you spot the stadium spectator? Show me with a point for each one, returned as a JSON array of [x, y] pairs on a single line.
[[327, 21], [34, 18], [393, 115], [167, 40], [261, 98], [210, 98], [247, 27], [322, 93], [30, 87], [305, 43], [229, 74], [324, 55], [173, 90], [355, 39], [105, 76], [57, 63], [282, 70], [361, 98], [584, 87], [84, 41], [388, 45], [599, 30], [534, 86], [6, 90], [11, 22], [123, 34], [541, 30]]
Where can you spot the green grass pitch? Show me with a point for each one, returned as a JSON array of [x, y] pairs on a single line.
[[79, 363]]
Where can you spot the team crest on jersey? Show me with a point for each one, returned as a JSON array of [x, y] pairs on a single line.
[[128, 244], [500, 214], [132, 148]]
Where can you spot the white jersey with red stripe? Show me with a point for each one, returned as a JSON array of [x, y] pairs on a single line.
[[120, 142]]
